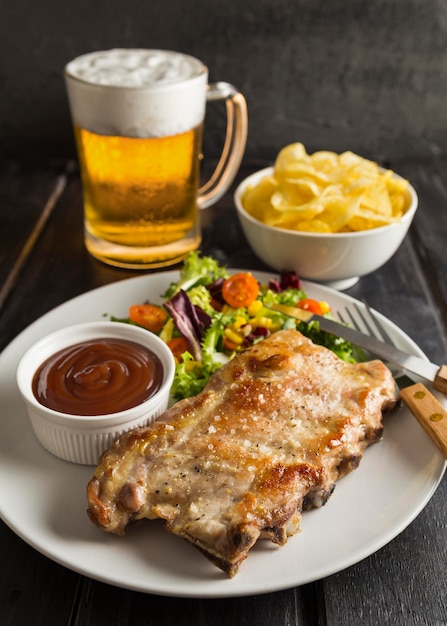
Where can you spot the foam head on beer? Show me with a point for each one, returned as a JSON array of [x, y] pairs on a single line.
[[143, 99], [134, 68]]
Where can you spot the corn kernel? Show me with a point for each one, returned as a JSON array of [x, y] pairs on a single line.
[[265, 322], [254, 307], [325, 308], [238, 322], [233, 336]]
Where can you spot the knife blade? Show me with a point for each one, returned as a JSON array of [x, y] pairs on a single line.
[[435, 374]]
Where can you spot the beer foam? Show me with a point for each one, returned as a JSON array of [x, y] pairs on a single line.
[[136, 92], [134, 68]]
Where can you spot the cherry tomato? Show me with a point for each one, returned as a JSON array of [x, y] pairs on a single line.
[[148, 315], [240, 290], [308, 304], [178, 345]]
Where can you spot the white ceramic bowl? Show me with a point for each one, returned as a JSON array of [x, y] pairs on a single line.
[[83, 438], [336, 259]]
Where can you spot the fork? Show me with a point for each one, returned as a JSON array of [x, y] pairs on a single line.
[[422, 403]]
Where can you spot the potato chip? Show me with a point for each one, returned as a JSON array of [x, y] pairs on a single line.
[[314, 226], [339, 211], [326, 192], [293, 153], [324, 161], [256, 199]]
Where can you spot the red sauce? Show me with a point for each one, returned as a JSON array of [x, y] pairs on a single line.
[[98, 377]]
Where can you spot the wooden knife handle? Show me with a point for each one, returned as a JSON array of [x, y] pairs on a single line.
[[430, 413], [440, 382]]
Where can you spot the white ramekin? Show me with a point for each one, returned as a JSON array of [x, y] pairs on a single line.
[[78, 438]]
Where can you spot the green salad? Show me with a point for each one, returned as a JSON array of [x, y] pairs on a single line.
[[210, 315]]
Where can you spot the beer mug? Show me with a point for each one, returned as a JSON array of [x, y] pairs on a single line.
[[138, 119]]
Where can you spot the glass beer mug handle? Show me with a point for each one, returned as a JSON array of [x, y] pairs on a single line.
[[234, 145]]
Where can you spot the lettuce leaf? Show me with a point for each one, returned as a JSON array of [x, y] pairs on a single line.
[[197, 270]]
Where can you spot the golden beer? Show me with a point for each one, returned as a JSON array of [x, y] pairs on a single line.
[[140, 192], [138, 118]]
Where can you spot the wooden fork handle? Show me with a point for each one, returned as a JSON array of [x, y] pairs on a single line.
[[440, 382], [429, 412]]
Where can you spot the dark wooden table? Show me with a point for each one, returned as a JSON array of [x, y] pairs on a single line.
[[44, 263]]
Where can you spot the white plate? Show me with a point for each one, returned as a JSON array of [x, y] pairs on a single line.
[[43, 499]]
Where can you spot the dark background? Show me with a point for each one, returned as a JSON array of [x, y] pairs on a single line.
[[364, 76]]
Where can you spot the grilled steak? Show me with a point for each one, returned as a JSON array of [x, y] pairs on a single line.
[[269, 436]]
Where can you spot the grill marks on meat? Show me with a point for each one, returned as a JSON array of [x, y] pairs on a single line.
[[270, 435]]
